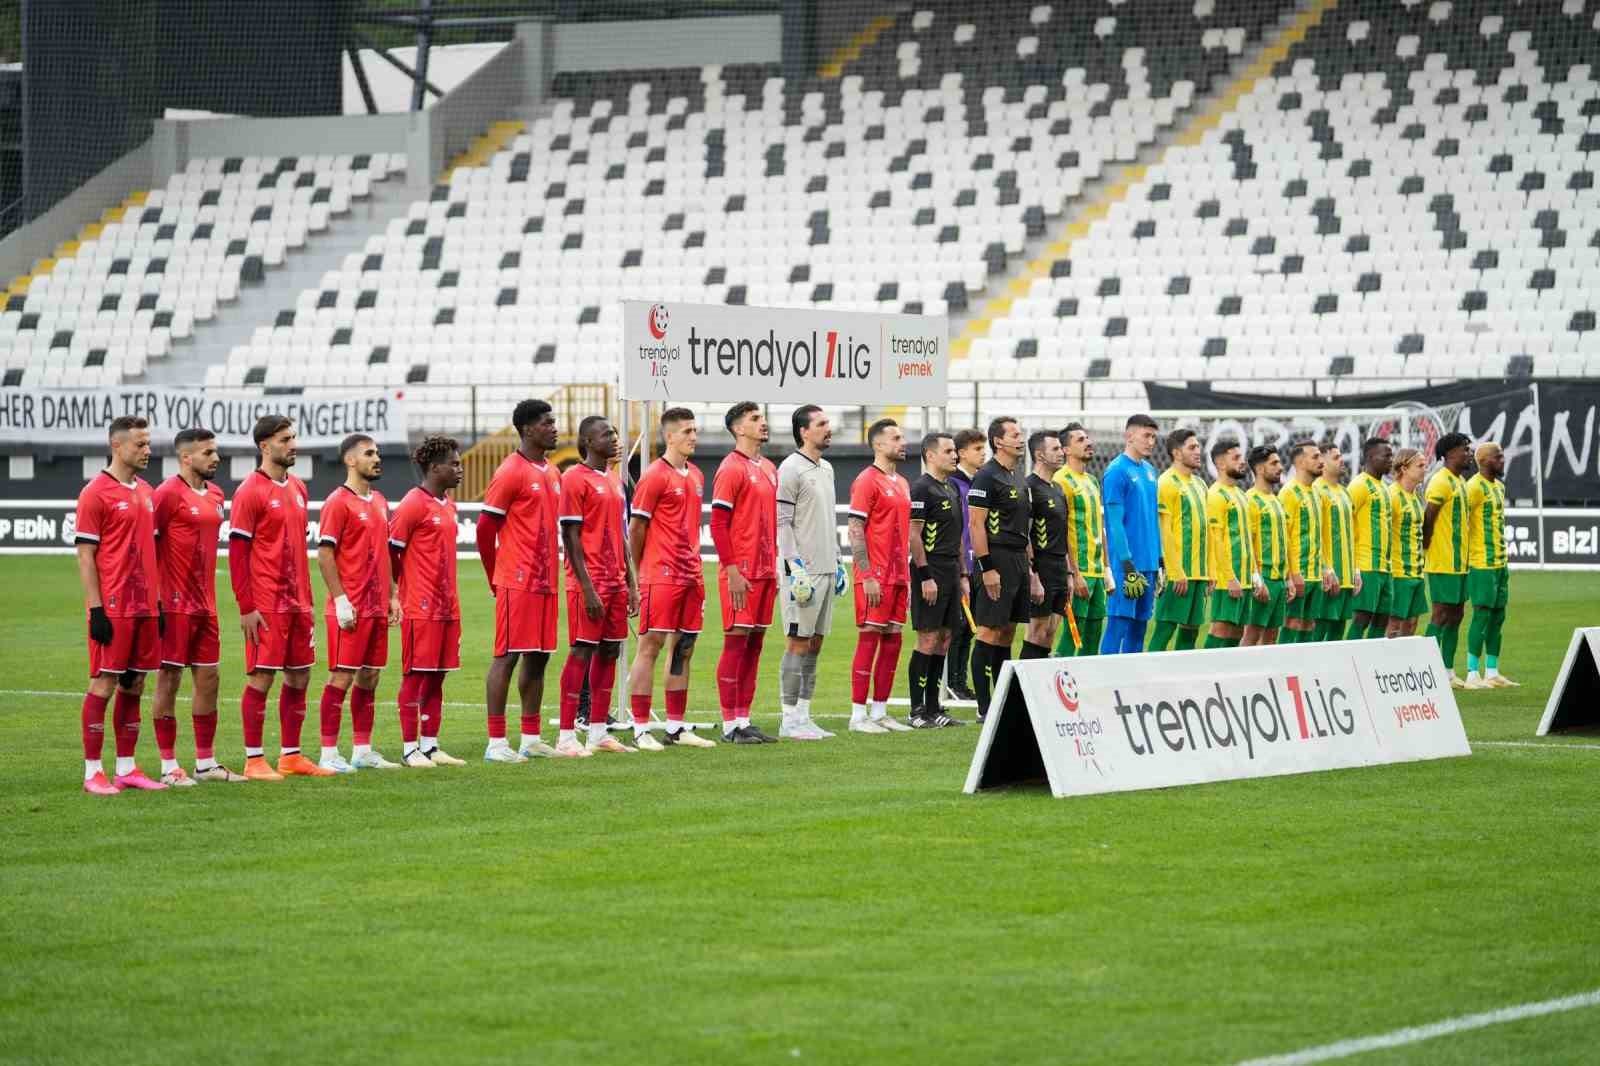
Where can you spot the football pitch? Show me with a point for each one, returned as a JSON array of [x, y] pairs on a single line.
[[833, 902]]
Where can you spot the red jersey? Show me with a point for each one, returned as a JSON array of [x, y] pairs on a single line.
[[670, 499], [272, 514], [358, 530], [121, 519], [748, 488], [186, 545], [591, 501], [883, 502], [424, 529], [527, 495]]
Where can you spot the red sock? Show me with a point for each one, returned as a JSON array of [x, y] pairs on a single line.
[[94, 724], [205, 735], [331, 711], [532, 723], [861, 667], [363, 709], [497, 726], [677, 703], [730, 674], [602, 680], [253, 714], [888, 662], [432, 699], [751, 671], [125, 720], [641, 707], [291, 716], [167, 736], [572, 672], [410, 685]]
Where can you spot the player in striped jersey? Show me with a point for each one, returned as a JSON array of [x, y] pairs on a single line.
[[1304, 538], [1371, 507], [1269, 547], [1408, 597], [1488, 577], [1336, 604], [1181, 505], [1444, 529], [1086, 541], [1228, 539]]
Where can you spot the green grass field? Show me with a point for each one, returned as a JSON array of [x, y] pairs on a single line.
[[838, 902]]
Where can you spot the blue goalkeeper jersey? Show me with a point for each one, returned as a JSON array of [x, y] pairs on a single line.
[[1133, 527]]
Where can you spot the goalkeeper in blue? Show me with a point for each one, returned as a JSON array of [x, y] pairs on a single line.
[[1133, 538]]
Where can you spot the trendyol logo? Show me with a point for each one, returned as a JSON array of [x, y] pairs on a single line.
[[1067, 691], [658, 321], [1257, 712], [1084, 731]]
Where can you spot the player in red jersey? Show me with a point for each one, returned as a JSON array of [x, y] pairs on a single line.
[[744, 528], [880, 551], [353, 556], [272, 582], [518, 543], [116, 542], [664, 545], [189, 514], [422, 539]]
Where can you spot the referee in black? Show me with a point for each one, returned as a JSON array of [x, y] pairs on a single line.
[[999, 513], [937, 583], [1048, 539]]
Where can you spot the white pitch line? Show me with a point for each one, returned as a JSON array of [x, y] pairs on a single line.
[[1534, 744], [1417, 1034]]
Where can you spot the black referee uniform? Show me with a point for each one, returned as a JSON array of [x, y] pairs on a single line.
[[1005, 494], [1049, 536], [936, 505]]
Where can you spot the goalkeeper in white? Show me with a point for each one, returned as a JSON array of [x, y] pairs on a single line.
[[808, 549]]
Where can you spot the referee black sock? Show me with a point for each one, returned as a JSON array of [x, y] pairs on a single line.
[[930, 694], [986, 660], [917, 680], [1030, 650]]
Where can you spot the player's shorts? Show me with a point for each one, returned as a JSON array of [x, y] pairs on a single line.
[[524, 621], [135, 645], [1408, 598], [1187, 609], [891, 608], [1225, 608], [1303, 606], [1052, 571], [289, 642], [1489, 588], [612, 625], [1094, 604], [364, 647], [667, 608], [759, 601], [1336, 606], [1014, 601], [1270, 615], [1377, 593], [1119, 606], [945, 611], [811, 619], [1449, 589], [430, 644], [191, 640]]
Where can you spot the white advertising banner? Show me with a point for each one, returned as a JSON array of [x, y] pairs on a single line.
[[80, 416], [1120, 723], [713, 353]]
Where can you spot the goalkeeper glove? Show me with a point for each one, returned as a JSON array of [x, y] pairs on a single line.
[[1134, 585], [801, 586], [344, 610], [101, 630], [841, 578]]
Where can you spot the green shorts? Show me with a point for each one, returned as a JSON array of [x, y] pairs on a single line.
[[1301, 606], [1224, 608], [1375, 596], [1489, 589], [1093, 605], [1186, 610], [1270, 615], [1334, 606], [1450, 589], [1409, 598]]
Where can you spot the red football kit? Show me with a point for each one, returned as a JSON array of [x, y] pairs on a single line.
[[594, 503], [527, 495], [747, 489], [187, 525], [120, 520], [357, 529], [272, 516], [671, 580], [423, 531], [883, 503]]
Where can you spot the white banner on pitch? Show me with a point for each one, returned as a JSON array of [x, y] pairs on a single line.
[[1574, 701], [1119, 723], [720, 353]]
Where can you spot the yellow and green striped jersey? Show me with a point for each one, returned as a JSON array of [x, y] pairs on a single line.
[[1304, 520], [1369, 497], [1338, 538], [1086, 528], [1228, 535], [1268, 527], [1486, 523], [1447, 547], [1181, 503], [1407, 524]]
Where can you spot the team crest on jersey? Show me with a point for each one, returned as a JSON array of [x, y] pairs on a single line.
[[122, 505], [195, 511], [363, 515], [435, 519], [149, 505], [273, 504]]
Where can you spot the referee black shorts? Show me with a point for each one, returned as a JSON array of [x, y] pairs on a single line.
[[1052, 571], [945, 611], [1012, 605]]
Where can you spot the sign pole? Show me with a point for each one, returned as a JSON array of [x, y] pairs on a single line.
[[1538, 466]]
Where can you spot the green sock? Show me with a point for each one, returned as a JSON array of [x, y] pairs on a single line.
[[1161, 637], [1497, 621], [1433, 631], [1187, 638], [1492, 662], [1477, 631], [1357, 631], [1093, 630], [1214, 641], [1449, 637], [1472, 662]]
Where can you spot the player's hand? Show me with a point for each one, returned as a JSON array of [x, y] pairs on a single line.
[[395, 613], [1080, 587], [873, 590], [101, 631], [1181, 586], [930, 591], [1235, 590], [966, 588], [1261, 591], [346, 612], [841, 578], [991, 583], [1330, 582], [591, 603], [633, 601], [1358, 583], [253, 625], [738, 588], [1035, 588]]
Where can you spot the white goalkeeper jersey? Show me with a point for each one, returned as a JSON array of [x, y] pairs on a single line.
[[807, 526]]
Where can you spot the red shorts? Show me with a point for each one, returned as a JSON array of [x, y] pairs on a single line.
[[367, 645], [428, 644], [524, 621], [612, 623], [135, 645], [289, 642], [667, 608], [758, 603], [191, 640], [891, 609]]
